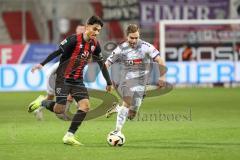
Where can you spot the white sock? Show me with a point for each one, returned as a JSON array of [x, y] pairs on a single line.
[[121, 117], [69, 134], [40, 108], [118, 108]]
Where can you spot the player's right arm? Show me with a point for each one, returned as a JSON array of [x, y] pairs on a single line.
[[115, 55], [48, 59], [64, 47]]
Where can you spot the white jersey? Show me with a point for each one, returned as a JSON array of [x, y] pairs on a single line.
[[51, 78], [134, 62]]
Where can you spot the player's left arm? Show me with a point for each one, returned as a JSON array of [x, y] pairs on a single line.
[[162, 71], [98, 57], [155, 54]]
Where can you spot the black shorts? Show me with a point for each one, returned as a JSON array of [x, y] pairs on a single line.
[[63, 89]]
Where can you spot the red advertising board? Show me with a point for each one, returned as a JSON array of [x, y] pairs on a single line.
[[11, 54]]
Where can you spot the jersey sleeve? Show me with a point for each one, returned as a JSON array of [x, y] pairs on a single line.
[[115, 55], [153, 52], [51, 57], [68, 44], [97, 56]]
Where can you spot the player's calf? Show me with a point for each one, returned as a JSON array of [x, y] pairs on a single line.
[[59, 108]]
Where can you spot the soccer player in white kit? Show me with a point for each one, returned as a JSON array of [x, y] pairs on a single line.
[[133, 57]]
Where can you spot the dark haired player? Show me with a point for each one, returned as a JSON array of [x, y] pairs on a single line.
[[75, 52]]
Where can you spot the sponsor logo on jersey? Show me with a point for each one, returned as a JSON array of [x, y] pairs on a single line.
[[134, 61], [58, 90], [85, 54], [92, 48]]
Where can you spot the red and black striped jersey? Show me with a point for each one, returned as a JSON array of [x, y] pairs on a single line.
[[76, 52]]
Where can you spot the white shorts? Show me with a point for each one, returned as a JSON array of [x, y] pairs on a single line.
[[136, 93], [51, 79], [51, 84]]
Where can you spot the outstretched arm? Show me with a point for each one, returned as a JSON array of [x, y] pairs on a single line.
[[48, 59]]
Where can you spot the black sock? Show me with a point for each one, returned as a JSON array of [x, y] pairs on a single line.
[[77, 120], [48, 104]]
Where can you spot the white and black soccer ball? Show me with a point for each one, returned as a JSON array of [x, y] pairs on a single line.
[[115, 138]]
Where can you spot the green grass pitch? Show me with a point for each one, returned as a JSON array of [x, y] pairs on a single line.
[[183, 124]]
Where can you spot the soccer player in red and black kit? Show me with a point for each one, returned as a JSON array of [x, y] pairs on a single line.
[[75, 52]]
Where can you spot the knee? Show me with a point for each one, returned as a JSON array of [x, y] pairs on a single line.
[[85, 109], [59, 109], [132, 114], [84, 106], [50, 97], [126, 102]]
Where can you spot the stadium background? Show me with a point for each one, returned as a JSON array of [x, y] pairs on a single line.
[[205, 73]]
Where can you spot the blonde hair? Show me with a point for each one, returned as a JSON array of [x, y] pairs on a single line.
[[132, 28]]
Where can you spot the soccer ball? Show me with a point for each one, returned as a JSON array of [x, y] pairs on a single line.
[[115, 138]]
